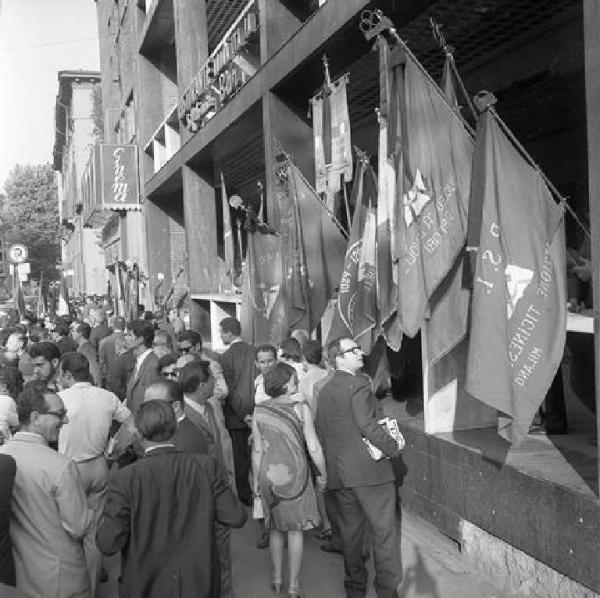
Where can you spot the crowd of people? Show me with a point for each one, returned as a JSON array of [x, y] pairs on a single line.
[[131, 438]]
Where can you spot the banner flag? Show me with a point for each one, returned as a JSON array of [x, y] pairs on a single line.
[[356, 314], [449, 304], [518, 314], [121, 301], [433, 175], [331, 136], [387, 288], [263, 308], [41, 299], [323, 248], [62, 309], [227, 232]]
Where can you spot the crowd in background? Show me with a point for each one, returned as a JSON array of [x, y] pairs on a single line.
[[131, 437]]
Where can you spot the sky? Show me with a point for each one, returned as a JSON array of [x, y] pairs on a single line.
[[38, 38]]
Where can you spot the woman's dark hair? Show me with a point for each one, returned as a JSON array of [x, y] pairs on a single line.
[[155, 421], [313, 352], [277, 378], [191, 375], [290, 349]]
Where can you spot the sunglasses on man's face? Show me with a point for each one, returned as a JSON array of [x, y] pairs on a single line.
[[170, 373], [185, 349]]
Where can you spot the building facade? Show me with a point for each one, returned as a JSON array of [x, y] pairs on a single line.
[[208, 87], [76, 133]]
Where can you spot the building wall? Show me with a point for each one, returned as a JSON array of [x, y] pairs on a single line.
[[82, 254]]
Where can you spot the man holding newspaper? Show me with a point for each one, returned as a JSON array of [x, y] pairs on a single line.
[[357, 440]]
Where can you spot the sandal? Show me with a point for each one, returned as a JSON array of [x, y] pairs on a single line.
[[324, 534]]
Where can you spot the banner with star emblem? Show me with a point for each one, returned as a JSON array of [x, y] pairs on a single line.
[[433, 153], [518, 313]]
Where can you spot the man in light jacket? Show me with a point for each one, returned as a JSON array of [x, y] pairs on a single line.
[[49, 512]]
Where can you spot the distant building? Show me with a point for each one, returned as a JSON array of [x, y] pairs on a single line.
[[75, 134]]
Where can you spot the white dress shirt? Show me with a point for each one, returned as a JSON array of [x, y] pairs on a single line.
[[8, 416], [90, 411]]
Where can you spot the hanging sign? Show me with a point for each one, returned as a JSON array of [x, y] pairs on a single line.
[[227, 69]]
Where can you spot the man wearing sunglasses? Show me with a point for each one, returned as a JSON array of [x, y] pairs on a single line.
[[49, 512], [362, 487]]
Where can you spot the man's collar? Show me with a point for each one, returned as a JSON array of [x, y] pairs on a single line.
[[32, 437], [347, 371], [143, 355], [236, 340], [168, 446], [80, 384]]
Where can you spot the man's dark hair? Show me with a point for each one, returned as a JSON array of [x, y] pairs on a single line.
[[85, 330], [119, 323], [46, 349], [155, 421], [62, 328], [77, 364], [276, 379], [167, 360], [32, 398], [334, 348], [173, 391], [290, 349], [266, 349], [12, 379], [192, 374], [231, 325], [190, 335], [142, 329], [313, 352]]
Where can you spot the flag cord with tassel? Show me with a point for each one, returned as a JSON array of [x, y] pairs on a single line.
[[562, 199], [337, 223]]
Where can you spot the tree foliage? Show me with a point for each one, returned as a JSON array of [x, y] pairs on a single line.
[[30, 216]]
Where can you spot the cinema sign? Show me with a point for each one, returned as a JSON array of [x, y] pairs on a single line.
[[233, 62]]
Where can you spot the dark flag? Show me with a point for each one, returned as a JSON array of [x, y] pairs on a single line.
[[263, 309], [40, 309], [315, 258], [518, 314], [19, 298], [433, 174], [356, 315]]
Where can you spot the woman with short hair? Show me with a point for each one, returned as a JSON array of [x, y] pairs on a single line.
[[282, 433]]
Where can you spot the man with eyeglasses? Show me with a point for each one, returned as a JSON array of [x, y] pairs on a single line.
[[49, 512], [362, 487]]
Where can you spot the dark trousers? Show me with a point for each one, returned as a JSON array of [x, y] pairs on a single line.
[[241, 462], [375, 506]]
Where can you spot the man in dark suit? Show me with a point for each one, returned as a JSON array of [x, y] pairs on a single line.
[[363, 488], [197, 435], [239, 372], [188, 437], [138, 339], [161, 512], [8, 470], [107, 347]]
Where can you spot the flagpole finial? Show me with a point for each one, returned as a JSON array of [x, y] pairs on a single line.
[[374, 23], [362, 156], [484, 100]]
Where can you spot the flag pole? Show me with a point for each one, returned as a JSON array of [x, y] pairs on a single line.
[[374, 23]]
